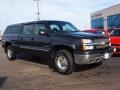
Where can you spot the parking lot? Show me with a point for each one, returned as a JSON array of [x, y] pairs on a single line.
[[30, 73]]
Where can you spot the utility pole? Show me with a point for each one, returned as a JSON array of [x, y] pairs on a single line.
[[38, 10]]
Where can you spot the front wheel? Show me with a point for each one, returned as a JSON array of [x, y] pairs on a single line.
[[63, 62], [10, 53]]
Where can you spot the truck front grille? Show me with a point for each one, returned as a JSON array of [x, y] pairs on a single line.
[[101, 43], [106, 40]]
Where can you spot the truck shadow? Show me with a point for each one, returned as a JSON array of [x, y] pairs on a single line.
[[35, 59], [80, 68], [46, 61], [2, 81]]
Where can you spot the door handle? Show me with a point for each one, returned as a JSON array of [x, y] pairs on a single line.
[[32, 38], [21, 38]]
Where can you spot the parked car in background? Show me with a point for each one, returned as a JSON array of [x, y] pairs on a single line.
[[115, 40], [98, 31]]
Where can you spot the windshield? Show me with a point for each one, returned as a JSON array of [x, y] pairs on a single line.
[[115, 33], [59, 26]]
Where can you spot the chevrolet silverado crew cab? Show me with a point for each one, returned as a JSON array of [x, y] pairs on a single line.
[[60, 41]]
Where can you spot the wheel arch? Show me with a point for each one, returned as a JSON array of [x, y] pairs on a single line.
[[56, 48], [6, 45]]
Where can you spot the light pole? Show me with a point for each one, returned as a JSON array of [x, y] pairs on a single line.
[[38, 10]]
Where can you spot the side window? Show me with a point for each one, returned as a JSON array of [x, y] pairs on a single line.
[[28, 29], [12, 30], [39, 28], [55, 28]]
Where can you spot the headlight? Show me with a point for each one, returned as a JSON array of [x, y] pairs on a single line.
[[86, 41], [109, 42], [87, 44]]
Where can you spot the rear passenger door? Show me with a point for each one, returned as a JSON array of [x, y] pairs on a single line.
[[26, 38], [42, 42]]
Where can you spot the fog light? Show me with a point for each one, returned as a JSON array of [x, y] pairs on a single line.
[[114, 49]]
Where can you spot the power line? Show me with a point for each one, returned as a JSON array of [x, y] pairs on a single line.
[[38, 10]]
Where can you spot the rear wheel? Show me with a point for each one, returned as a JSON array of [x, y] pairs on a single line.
[[63, 62], [11, 55]]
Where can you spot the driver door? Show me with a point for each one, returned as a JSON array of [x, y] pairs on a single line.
[[42, 42]]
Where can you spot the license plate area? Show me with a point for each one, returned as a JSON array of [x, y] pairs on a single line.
[[106, 55]]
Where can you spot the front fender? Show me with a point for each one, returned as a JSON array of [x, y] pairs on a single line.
[[67, 44]]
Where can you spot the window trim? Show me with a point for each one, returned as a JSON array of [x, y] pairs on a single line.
[[41, 24], [22, 28], [12, 26]]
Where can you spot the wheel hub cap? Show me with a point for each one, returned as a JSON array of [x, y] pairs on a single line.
[[9, 53], [62, 62]]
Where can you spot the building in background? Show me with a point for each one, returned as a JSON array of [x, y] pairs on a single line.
[[106, 18]]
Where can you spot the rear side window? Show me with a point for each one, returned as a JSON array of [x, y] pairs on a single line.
[[27, 29], [12, 30]]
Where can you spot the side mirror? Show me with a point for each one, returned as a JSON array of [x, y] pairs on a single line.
[[42, 32]]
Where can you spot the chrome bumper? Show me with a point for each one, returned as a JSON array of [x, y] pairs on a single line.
[[90, 58]]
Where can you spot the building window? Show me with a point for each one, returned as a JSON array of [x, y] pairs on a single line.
[[98, 23], [113, 21]]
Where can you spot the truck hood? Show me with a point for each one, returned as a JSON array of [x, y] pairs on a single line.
[[84, 35]]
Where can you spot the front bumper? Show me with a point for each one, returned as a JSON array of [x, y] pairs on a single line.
[[89, 58]]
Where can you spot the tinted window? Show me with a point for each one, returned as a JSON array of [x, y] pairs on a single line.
[[115, 33], [12, 30], [38, 28], [27, 29], [62, 27], [54, 27]]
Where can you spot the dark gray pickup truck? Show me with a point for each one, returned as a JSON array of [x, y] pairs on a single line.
[[60, 41]]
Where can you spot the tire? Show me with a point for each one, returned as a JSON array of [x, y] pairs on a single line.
[[11, 55], [63, 62]]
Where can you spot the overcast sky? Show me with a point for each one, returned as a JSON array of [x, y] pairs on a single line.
[[75, 11]]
